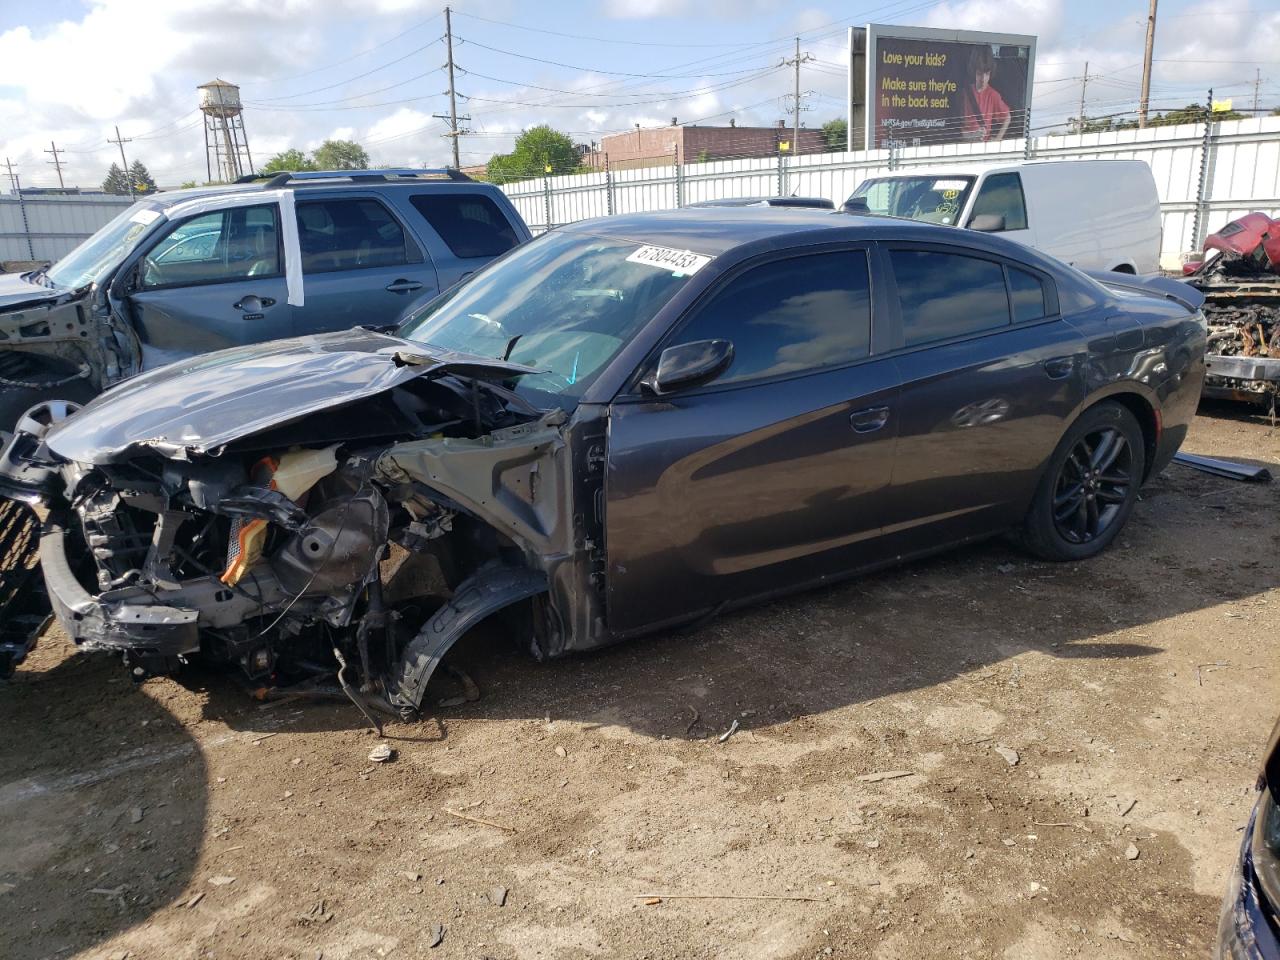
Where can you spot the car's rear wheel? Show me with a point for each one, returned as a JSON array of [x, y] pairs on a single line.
[[1089, 486]]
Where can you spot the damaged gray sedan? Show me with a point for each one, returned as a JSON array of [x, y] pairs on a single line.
[[622, 425]]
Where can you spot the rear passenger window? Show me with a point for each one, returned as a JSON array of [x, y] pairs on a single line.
[[1001, 196], [1026, 291], [348, 234], [790, 315], [947, 295], [471, 225]]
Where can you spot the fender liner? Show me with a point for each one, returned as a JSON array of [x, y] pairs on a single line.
[[484, 593]]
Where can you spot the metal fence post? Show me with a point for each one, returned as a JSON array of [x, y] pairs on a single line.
[[546, 197], [675, 155], [26, 226], [782, 187], [1202, 185], [608, 186]]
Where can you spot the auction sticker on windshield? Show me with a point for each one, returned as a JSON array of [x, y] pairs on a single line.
[[681, 263]]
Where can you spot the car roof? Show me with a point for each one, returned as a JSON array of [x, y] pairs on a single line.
[[340, 181], [714, 231]]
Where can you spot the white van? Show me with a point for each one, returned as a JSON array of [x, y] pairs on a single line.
[[1092, 214]]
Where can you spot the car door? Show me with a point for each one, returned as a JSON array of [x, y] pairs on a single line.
[[990, 373], [768, 476], [360, 264], [212, 280]]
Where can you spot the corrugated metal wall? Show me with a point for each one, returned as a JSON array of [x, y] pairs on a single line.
[[44, 227], [1242, 173]]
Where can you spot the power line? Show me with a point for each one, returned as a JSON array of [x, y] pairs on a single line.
[[452, 117], [57, 164], [120, 142]]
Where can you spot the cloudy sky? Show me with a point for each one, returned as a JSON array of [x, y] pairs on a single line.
[[371, 70]]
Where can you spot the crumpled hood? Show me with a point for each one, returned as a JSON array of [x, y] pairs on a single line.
[[201, 404], [16, 292]]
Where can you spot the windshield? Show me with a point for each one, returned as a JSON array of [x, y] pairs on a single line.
[[931, 199], [565, 303], [88, 262]]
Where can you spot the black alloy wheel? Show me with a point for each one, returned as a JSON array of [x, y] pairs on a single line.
[[1089, 485], [1092, 486]]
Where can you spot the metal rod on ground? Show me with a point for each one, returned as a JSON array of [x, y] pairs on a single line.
[[1145, 100]]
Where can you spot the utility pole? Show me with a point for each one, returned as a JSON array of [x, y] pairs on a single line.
[[13, 177], [796, 61], [453, 118], [120, 142], [1145, 98], [1257, 83], [57, 164], [1084, 84]]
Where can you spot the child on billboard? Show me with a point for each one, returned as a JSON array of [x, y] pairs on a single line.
[[986, 115]]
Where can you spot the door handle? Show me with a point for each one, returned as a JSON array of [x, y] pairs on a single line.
[[252, 304], [403, 286], [1059, 367], [869, 420]]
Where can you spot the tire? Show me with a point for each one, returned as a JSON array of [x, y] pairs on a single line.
[[1089, 486], [15, 401]]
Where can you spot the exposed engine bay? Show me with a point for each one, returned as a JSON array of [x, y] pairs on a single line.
[[1241, 285], [364, 537]]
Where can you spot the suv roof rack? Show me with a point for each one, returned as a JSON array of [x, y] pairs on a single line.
[[287, 178]]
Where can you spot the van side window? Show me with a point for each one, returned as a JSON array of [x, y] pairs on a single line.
[[232, 244], [946, 295], [1001, 196], [1026, 292]]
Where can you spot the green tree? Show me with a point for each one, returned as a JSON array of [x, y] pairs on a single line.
[[293, 160], [836, 134], [340, 155], [141, 177], [534, 151], [116, 181]]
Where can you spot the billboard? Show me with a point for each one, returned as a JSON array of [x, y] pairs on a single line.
[[914, 86]]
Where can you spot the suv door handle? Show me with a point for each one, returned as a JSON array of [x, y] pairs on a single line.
[[403, 286], [252, 303], [869, 420], [1059, 367]]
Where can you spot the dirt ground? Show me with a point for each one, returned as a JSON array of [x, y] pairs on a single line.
[[177, 821]]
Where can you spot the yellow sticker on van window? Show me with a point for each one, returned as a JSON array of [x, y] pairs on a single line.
[[950, 194]]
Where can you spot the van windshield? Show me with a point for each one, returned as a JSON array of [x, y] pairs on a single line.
[[930, 199], [90, 261]]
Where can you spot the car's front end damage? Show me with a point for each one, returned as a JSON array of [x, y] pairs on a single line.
[[350, 500], [1241, 284]]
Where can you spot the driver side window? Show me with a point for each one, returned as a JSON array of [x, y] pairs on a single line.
[[232, 244], [790, 316], [1001, 196]]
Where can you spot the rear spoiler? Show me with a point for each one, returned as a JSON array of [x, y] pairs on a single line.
[[1166, 288]]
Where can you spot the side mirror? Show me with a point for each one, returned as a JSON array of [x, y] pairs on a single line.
[[688, 364], [856, 205], [987, 222]]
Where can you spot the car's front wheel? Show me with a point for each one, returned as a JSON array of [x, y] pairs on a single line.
[[1089, 486]]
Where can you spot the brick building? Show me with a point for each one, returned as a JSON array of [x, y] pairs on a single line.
[[659, 146]]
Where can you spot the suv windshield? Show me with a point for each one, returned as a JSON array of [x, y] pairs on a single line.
[[88, 262], [931, 199], [565, 303]]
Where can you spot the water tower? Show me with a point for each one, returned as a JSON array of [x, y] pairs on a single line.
[[226, 148]]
